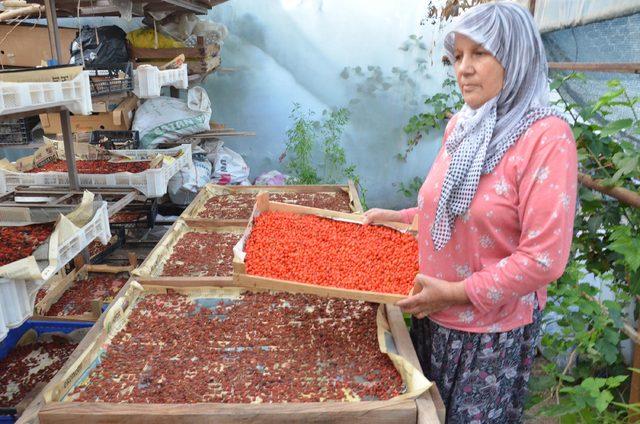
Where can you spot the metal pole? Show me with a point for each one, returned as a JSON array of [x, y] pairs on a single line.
[[65, 120]]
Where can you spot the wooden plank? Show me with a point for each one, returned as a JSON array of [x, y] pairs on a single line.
[[121, 203], [634, 390], [633, 68], [382, 412], [405, 347], [111, 269], [141, 53], [294, 287], [205, 222], [187, 281], [355, 198]]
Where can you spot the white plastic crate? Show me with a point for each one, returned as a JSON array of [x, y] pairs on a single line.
[[97, 228], [75, 95], [148, 80], [151, 183], [17, 297]]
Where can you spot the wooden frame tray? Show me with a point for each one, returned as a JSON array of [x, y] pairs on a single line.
[[57, 289], [241, 277], [190, 214], [151, 268], [425, 408]]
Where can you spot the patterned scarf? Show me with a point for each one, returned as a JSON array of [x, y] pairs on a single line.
[[482, 136]]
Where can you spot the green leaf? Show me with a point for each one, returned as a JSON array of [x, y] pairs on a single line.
[[555, 84], [615, 127], [616, 381], [577, 132], [626, 245], [603, 400]]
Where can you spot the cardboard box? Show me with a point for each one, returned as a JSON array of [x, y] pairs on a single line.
[[47, 74], [118, 120], [14, 53]]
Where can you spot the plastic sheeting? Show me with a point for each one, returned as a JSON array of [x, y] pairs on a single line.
[[551, 15]]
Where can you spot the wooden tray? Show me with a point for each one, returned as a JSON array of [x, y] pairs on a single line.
[[65, 283], [241, 277], [151, 269], [426, 408], [190, 214]]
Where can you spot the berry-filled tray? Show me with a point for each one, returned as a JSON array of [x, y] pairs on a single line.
[[235, 203], [307, 250], [231, 354]]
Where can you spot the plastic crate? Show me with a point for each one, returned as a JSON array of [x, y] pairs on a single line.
[[8, 416], [148, 208], [17, 131], [148, 80], [17, 297], [97, 228], [151, 183], [120, 242], [116, 140], [74, 94], [41, 327], [112, 79]]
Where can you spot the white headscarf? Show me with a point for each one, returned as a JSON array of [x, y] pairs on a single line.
[[481, 136]]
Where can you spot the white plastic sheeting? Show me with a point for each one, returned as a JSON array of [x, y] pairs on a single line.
[[288, 51], [551, 15]]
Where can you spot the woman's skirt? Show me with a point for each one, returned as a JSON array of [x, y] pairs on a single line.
[[482, 377]]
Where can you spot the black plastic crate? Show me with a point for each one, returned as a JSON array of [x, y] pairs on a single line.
[[105, 80], [148, 210], [116, 140], [17, 131], [120, 240]]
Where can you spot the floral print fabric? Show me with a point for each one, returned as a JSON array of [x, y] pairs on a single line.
[[516, 235], [482, 378]]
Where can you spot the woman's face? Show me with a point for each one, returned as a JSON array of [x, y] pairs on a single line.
[[480, 75]]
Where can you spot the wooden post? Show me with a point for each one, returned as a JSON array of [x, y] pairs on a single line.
[[634, 391], [65, 119], [633, 68]]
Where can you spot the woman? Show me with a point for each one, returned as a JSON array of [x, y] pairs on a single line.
[[495, 218]]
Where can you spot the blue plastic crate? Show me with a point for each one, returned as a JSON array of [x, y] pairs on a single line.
[[41, 327]]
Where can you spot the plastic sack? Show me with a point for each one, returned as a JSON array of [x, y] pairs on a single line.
[[146, 38], [179, 25], [102, 46], [213, 33], [274, 178], [184, 186], [165, 119], [230, 168]]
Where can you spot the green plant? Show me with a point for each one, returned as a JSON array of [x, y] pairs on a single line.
[[410, 189], [301, 138], [439, 108], [313, 150], [591, 385]]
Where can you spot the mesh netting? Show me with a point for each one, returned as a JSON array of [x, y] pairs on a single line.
[[613, 40]]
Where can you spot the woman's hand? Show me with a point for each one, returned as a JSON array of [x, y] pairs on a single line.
[[375, 215], [432, 295]]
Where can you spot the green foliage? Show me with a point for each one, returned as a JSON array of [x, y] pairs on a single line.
[[589, 385], [411, 188], [439, 109], [310, 142]]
